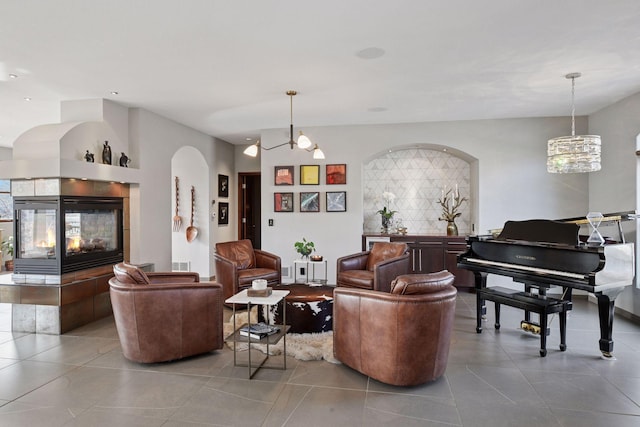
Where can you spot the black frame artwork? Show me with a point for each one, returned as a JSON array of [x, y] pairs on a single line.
[[283, 202], [223, 213], [336, 201], [310, 201], [223, 186], [283, 175]]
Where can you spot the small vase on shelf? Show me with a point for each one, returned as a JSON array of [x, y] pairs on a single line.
[[386, 223], [452, 228]]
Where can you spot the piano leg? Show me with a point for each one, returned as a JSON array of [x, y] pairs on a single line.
[[481, 282], [606, 305]]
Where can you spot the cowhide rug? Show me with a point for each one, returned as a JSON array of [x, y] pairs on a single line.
[[312, 346]]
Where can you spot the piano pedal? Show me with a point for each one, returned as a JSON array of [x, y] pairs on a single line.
[[533, 328]]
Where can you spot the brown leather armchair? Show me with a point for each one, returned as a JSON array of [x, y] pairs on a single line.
[[374, 269], [238, 264], [400, 338], [165, 316]]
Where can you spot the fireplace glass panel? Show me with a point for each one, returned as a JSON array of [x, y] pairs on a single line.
[[88, 231], [37, 233]]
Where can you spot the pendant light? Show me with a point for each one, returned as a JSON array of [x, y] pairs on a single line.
[[575, 153], [303, 141]]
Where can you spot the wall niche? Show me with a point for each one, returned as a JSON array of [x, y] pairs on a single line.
[[417, 177]]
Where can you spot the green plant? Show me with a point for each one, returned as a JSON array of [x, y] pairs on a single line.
[[304, 248], [7, 246]]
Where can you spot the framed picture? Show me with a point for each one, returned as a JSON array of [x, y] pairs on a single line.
[[310, 202], [336, 201], [336, 174], [223, 213], [223, 186], [309, 174], [283, 175], [283, 202]]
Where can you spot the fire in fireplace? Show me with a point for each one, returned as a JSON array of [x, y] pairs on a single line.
[[56, 235]]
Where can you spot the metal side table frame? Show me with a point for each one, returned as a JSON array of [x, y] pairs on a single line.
[[242, 298]]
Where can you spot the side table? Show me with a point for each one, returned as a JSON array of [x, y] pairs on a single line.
[[309, 264], [242, 298]]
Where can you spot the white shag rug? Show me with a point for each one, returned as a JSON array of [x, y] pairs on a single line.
[[311, 346]]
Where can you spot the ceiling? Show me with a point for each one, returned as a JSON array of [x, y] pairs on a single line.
[[223, 67]]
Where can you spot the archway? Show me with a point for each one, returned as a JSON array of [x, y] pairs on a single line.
[[191, 169], [419, 176]]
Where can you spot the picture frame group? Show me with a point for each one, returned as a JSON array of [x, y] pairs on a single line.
[[335, 174], [309, 201]]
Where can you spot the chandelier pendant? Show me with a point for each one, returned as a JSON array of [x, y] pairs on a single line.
[[575, 153], [303, 142]]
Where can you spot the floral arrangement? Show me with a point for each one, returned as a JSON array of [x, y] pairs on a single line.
[[386, 211], [450, 203]]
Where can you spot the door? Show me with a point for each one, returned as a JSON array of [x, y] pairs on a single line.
[[249, 207]]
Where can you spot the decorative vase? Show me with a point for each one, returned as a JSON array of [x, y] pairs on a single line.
[[386, 223], [452, 228]]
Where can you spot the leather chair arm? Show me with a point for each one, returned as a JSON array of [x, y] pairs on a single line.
[[226, 274], [267, 260], [173, 277], [353, 262], [385, 271], [162, 286]]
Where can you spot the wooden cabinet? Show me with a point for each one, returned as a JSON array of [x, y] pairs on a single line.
[[429, 254]]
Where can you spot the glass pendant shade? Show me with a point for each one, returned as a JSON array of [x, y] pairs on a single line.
[[574, 154], [303, 141], [251, 150], [317, 153]]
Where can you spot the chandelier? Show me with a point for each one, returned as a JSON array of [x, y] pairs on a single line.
[[575, 153], [303, 142]]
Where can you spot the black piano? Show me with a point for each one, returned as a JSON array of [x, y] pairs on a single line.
[[542, 253]]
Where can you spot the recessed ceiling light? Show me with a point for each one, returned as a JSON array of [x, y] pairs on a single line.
[[13, 76], [26, 98], [370, 53], [248, 139], [114, 92]]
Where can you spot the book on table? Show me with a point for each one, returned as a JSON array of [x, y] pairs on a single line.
[[258, 330]]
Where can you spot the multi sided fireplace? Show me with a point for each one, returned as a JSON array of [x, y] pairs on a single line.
[[57, 235]]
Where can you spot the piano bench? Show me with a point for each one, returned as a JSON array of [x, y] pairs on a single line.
[[542, 305]]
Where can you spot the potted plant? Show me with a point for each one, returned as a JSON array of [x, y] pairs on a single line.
[[7, 246], [304, 247]]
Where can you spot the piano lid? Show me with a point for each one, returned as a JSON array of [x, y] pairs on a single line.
[[541, 230]]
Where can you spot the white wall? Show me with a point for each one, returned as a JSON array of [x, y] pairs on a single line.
[[157, 139], [513, 181], [191, 168], [615, 188]]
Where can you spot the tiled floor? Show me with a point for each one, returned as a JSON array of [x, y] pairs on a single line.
[[493, 379]]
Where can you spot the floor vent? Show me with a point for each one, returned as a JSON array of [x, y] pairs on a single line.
[[181, 266]]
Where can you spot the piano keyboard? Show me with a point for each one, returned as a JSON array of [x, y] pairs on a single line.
[[527, 268]]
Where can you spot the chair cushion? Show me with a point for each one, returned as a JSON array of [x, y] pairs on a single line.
[[382, 251], [413, 284], [127, 273], [245, 277], [356, 278], [240, 251]]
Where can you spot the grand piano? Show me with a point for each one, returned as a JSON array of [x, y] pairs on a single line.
[[543, 253]]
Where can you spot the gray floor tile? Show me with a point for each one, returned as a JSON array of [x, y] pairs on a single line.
[[493, 379]]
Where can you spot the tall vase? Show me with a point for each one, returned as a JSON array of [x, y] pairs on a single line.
[[386, 223], [452, 228]]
